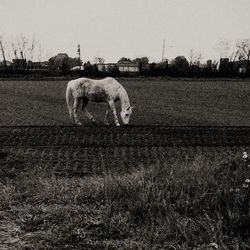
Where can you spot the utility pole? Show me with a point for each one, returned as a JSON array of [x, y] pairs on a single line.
[[4, 61], [163, 50], [79, 52]]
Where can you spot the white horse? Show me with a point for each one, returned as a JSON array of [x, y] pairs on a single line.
[[107, 90]]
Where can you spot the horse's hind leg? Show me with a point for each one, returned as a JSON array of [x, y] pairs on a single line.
[[77, 102], [71, 115], [106, 116], [85, 111]]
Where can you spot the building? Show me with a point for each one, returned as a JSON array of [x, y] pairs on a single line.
[[123, 67], [19, 64], [77, 68], [106, 67], [8, 63], [128, 67], [6, 66], [242, 70], [38, 65]]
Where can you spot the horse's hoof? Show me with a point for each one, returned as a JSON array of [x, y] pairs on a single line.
[[117, 125], [78, 123]]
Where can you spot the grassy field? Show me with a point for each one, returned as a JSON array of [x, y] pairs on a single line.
[[157, 102], [174, 179]]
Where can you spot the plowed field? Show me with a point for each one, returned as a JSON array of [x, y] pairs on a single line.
[[94, 150]]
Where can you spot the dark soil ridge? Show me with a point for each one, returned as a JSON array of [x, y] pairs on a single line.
[[124, 136]]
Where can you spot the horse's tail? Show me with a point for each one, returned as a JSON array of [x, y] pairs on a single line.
[[69, 100]]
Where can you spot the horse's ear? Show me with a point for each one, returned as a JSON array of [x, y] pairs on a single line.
[[130, 107]]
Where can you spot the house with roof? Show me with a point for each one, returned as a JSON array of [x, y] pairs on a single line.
[[123, 67], [128, 67], [105, 67]]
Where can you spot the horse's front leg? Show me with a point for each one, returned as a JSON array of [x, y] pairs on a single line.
[[77, 102], [90, 117], [85, 111], [112, 107]]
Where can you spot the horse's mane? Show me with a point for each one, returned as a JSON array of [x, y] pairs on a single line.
[[124, 99]]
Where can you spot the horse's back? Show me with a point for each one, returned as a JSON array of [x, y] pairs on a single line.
[[108, 81], [95, 90], [111, 86]]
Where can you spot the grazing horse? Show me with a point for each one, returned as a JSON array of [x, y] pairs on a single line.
[[106, 90]]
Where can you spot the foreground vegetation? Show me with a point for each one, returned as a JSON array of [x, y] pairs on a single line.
[[187, 202]]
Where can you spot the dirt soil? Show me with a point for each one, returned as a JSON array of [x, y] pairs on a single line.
[[93, 150]]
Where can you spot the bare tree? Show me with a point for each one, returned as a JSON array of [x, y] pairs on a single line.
[[99, 60], [22, 46], [13, 45], [234, 50], [234, 55], [226, 49], [31, 49], [39, 52], [194, 58], [3, 54], [243, 48]]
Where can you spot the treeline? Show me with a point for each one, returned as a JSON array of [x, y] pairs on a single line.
[[179, 67], [237, 64], [234, 63]]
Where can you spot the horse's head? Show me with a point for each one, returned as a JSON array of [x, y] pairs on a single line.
[[125, 114]]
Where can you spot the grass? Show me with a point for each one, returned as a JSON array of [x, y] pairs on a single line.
[[157, 102], [193, 196], [185, 203]]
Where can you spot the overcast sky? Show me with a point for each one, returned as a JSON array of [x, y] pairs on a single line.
[[131, 28]]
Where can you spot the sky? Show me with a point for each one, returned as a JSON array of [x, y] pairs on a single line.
[[112, 29]]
